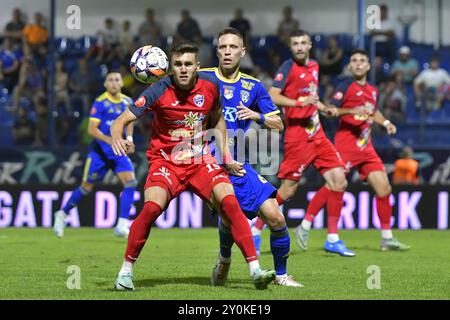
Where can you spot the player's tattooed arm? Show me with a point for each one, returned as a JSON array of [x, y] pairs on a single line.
[[95, 132], [382, 121], [119, 145]]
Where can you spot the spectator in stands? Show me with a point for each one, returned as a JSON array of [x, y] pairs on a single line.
[[287, 25], [62, 87], [405, 168], [385, 35], [406, 65], [24, 129], [105, 49], [83, 85], [393, 99], [204, 52], [127, 45], [330, 66], [243, 25], [14, 29], [432, 86], [9, 66], [188, 28], [380, 73], [31, 83], [41, 108], [150, 30], [36, 34]]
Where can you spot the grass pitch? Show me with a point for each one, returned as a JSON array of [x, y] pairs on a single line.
[[176, 264]]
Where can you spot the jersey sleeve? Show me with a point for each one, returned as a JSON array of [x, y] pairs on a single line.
[[264, 103], [149, 99], [339, 93], [96, 111], [281, 75]]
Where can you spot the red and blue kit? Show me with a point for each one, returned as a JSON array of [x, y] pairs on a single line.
[[179, 159], [353, 137], [305, 142]]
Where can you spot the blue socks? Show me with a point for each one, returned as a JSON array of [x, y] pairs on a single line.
[[74, 199], [280, 243], [226, 241], [127, 198]]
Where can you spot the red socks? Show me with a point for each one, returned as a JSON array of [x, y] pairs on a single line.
[[317, 203], [280, 200], [334, 207], [140, 229], [384, 210], [239, 226]]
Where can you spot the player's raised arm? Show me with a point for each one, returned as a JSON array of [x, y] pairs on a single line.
[[119, 144]]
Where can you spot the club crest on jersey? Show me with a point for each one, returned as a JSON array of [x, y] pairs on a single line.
[[140, 102], [338, 95], [245, 95], [228, 92], [199, 100]]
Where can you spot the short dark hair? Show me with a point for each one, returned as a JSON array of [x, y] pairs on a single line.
[[230, 30], [185, 47], [360, 51], [299, 33]]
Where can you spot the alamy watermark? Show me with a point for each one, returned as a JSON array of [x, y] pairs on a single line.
[[374, 280], [74, 280], [73, 21]]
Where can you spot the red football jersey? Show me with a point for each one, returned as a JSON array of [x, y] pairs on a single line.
[[298, 82], [353, 134], [179, 115]]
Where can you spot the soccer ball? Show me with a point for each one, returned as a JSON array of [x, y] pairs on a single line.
[[148, 64]]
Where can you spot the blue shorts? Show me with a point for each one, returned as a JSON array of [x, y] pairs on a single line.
[[252, 190], [97, 165]]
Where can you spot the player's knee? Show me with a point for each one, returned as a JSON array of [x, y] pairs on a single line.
[[385, 190], [290, 192], [276, 221]]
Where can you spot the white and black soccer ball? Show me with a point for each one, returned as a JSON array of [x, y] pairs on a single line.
[[148, 64]]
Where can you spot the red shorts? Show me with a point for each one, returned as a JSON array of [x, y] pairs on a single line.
[[298, 156], [199, 178], [365, 163]]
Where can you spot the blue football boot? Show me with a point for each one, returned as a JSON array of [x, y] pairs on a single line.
[[339, 248]]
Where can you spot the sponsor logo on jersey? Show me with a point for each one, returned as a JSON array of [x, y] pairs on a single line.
[[279, 77], [163, 171], [247, 85], [245, 95], [175, 103], [199, 100], [359, 93], [191, 120], [140, 102], [230, 114]]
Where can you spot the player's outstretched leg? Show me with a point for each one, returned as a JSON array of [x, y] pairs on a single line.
[[222, 267], [380, 183], [258, 226], [122, 228], [388, 242], [317, 203], [333, 244], [139, 232], [60, 215], [242, 235]]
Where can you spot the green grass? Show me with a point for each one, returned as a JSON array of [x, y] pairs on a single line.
[[177, 263]]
